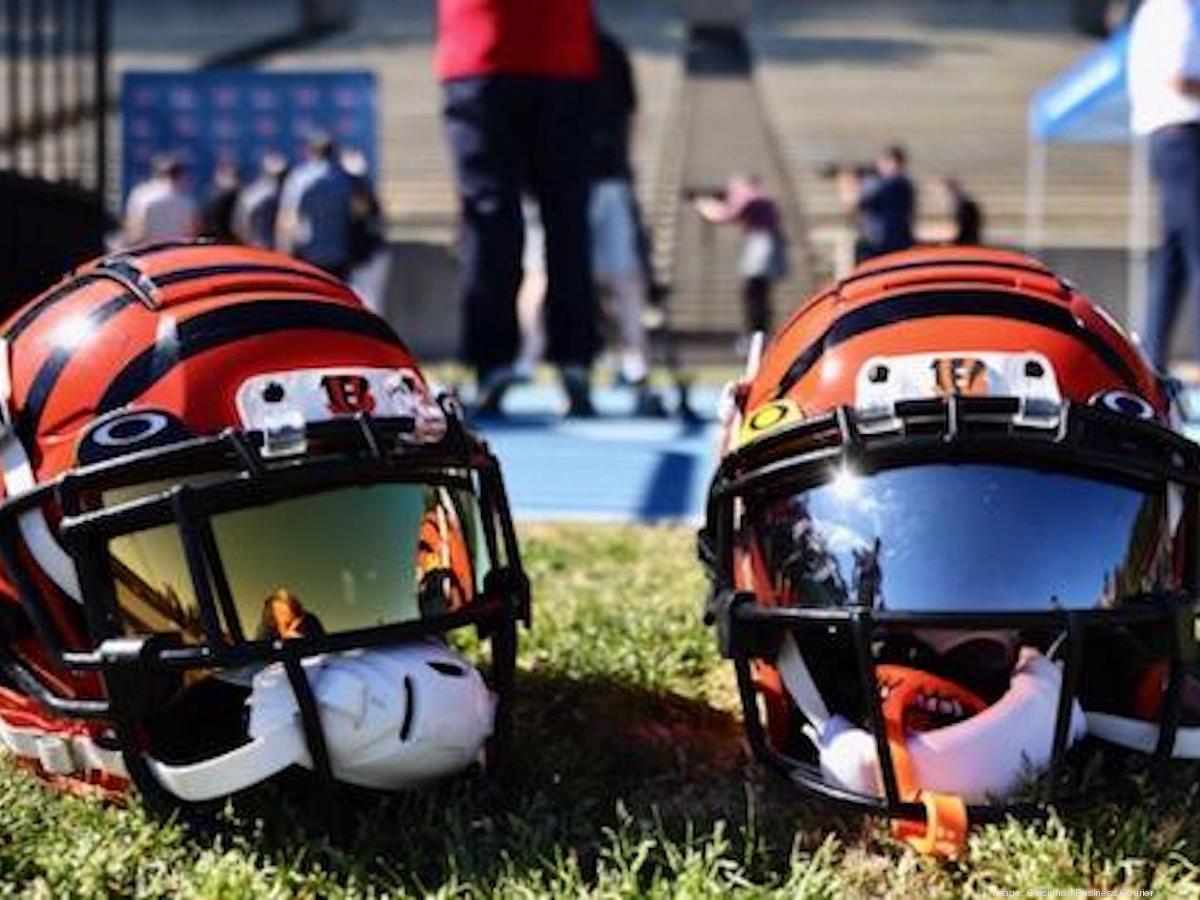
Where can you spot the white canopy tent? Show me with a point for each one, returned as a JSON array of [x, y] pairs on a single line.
[[1089, 104]]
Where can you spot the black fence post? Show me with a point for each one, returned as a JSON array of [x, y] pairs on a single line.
[[80, 63], [36, 97], [13, 28], [101, 76], [58, 56]]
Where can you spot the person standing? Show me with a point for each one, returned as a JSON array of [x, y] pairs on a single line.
[[1164, 88], [316, 210], [531, 297], [371, 261], [616, 263], [764, 250], [161, 208], [885, 203], [517, 79], [218, 206], [965, 212], [257, 204]]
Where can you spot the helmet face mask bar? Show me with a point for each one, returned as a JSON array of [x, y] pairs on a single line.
[[238, 533], [942, 598]]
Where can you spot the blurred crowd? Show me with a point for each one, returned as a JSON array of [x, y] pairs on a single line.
[[323, 210], [881, 200]]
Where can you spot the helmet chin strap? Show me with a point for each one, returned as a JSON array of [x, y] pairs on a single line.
[[393, 718], [987, 754]]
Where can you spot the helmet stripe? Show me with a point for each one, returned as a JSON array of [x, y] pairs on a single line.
[[165, 279], [229, 324], [1023, 266], [47, 376], [938, 304], [181, 275], [31, 313]]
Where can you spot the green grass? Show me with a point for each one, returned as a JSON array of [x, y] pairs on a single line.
[[629, 780]]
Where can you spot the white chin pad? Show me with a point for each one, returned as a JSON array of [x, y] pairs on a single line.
[[983, 757], [1134, 734], [392, 717]]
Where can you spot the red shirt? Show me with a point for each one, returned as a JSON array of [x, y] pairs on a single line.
[[556, 38]]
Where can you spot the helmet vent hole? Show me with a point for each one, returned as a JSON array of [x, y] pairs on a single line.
[[446, 668], [406, 725]]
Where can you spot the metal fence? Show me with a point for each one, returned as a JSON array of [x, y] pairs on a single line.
[[54, 93]]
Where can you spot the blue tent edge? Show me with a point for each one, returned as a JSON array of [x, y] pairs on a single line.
[[1098, 77]]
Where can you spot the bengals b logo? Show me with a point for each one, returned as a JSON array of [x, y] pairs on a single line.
[[960, 376], [348, 394]]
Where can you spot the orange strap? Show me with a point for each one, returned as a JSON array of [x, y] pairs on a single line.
[[943, 834]]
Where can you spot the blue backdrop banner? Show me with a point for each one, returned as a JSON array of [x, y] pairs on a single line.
[[238, 115]]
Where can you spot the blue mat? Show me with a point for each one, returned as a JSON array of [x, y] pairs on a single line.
[[620, 468], [611, 468]]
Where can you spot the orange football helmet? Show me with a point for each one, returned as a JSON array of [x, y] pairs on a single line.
[[953, 544], [227, 487]]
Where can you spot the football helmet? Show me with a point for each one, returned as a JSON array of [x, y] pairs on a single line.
[[952, 544], [237, 531]]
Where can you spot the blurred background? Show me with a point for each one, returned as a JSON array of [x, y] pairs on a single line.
[[1010, 112], [786, 88]]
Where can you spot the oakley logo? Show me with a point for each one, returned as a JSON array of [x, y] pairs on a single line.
[[1125, 403], [131, 429], [348, 394], [960, 376]]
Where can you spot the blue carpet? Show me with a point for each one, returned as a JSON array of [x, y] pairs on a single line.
[[611, 468]]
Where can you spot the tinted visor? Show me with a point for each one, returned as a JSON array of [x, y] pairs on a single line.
[[972, 538], [341, 560]]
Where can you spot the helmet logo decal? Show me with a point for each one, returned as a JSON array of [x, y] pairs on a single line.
[[317, 395], [131, 429], [348, 394], [1125, 404], [769, 417], [960, 376]]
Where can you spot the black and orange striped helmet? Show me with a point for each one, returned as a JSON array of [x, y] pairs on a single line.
[[952, 541], [193, 434]]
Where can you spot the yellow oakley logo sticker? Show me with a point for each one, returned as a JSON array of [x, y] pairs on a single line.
[[768, 418]]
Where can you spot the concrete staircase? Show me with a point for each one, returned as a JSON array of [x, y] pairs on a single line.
[[721, 128]]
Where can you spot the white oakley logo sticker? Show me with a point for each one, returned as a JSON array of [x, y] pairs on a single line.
[[131, 429], [1125, 403]]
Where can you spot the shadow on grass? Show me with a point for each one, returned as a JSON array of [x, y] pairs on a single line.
[[589, 757], [599, 767]]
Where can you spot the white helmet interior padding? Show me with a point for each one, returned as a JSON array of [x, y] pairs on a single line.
[[392, 718], [981, 758], [1134, 734]]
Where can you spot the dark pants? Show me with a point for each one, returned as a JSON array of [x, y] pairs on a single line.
[[756, 297], [1175, 164], [511, 134]]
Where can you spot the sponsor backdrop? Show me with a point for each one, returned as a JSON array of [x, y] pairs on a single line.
[[211, 116]]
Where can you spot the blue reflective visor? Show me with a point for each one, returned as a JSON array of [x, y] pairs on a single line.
[[970, 538]]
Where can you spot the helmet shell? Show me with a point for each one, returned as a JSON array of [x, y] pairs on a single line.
[[956, 301]]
